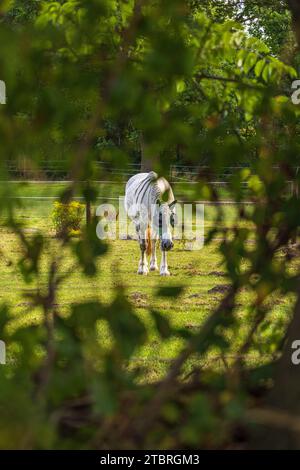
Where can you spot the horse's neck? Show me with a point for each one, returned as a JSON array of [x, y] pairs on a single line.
[[164, 187], [155, 194]]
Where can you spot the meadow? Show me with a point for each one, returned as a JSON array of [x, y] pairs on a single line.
[[201, 273]]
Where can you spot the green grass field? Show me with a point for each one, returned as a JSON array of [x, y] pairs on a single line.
[[200, 272]]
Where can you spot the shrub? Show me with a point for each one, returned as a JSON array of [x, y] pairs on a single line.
[[67, 218]]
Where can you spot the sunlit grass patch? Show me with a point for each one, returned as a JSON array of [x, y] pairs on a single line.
[[204, 281]]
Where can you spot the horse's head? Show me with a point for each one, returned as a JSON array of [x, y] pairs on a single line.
[[165, 221]]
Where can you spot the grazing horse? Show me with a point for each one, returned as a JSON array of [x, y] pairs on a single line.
[[153, 218]]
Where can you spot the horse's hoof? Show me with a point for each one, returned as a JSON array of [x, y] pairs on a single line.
[[143, 272], [165, 273], [154, 267]]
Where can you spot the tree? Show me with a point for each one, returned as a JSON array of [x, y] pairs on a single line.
[[280, 417]]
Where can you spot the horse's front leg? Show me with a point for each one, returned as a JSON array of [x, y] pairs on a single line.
[[153, 259], [164, 265], [143, 263]]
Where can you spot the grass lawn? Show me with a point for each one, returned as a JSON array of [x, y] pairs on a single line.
[[200, 272]]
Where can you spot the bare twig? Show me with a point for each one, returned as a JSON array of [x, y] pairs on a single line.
[[48, 303]]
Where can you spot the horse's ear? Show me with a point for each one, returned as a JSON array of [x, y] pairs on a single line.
[[173, 203]]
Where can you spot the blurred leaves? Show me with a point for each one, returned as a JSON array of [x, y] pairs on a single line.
[[162, 324], [88, 249], [29, 264]]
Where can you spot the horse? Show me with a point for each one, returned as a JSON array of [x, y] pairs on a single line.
[[153, 218]]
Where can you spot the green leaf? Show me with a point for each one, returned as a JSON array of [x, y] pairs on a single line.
[[259, 67], [162, 324], [127, 328]]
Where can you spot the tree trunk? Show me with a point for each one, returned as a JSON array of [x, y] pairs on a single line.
[[88, 213], [146, 160], [284, 399], [294, 6]]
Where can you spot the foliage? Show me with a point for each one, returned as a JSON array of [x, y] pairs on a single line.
[[67, 218], [184, 81], [269, 20]]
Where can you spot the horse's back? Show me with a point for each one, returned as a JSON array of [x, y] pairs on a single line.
[[133, 186], [135, 180]]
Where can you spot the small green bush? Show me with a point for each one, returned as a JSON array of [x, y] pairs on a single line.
[[67, 218]]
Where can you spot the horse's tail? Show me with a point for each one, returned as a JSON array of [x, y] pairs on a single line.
[[148, 242]]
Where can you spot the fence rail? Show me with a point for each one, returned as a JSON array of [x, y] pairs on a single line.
[[106, 198], [58, 170]]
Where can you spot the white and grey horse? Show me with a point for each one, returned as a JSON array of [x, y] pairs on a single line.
[[153, 218]]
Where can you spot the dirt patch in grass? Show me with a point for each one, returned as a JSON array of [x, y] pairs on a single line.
[[192, 326], [138, 299], [193, 296], [220, 289], [217, 274]]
